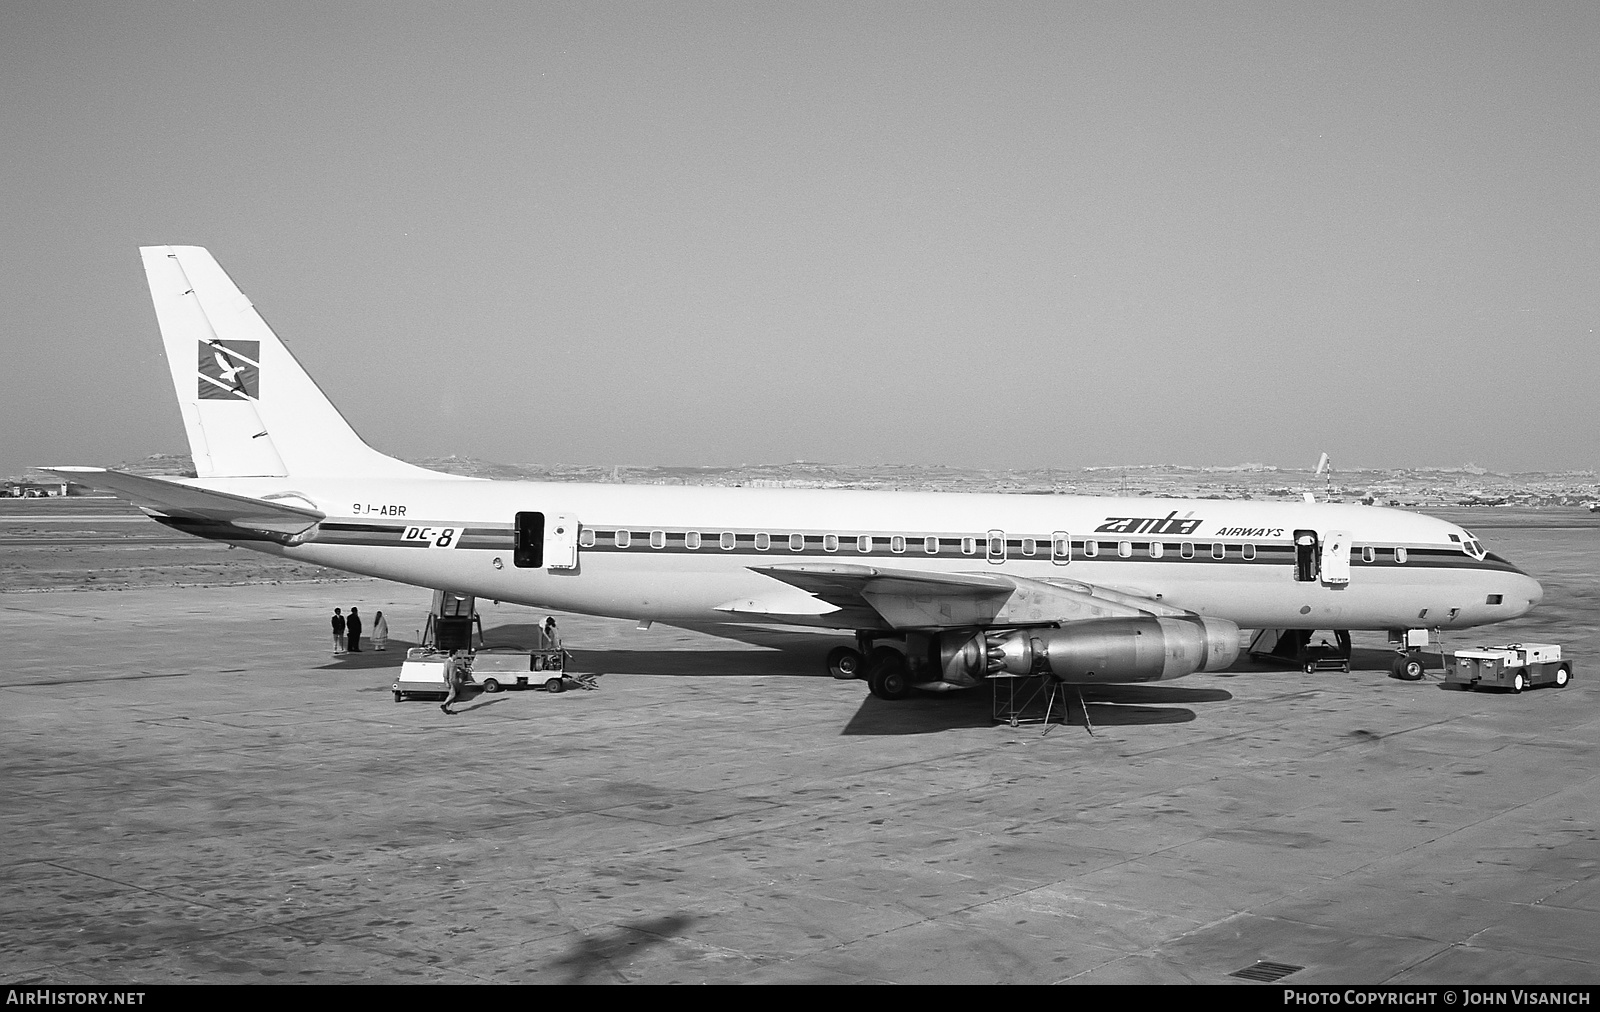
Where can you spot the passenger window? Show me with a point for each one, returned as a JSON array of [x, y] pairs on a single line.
[[1219, 550], [1368, 554], [864, 543], [1247, 552], [1493, 599], [1029, 546], [969, 546], [729, 540], [1186, 549], [691, 540], [797, 542], [586, 538], [763, 541], [1400, 555], [622, 539], [897, 544], [658, 539], [1157, 549], [1125, 549], [830, 542], [930, 545], [1091, 549]]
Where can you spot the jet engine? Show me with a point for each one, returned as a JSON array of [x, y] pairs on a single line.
[[1145, 648]]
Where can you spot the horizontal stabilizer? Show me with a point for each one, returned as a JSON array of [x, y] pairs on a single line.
[[170, 499]]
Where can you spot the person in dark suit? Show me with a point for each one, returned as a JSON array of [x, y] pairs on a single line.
[[338, 632], [352, 630]]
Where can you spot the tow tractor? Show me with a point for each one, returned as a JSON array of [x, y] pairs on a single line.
[[1514, 667]]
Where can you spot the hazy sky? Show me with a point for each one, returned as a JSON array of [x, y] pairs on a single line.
[[1047, 234]]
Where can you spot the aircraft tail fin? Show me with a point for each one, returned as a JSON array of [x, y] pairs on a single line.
[[249, 408]]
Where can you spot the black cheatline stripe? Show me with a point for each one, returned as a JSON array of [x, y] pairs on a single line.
[[346, 540], [1108, 553], [363, 528], [494, 538]]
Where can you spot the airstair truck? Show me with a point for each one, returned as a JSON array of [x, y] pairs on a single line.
[[1514, 666]]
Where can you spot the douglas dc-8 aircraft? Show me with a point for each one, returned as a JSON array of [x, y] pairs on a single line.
[[942, 590]]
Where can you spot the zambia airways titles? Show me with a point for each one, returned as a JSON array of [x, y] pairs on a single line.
[[1174, 524]]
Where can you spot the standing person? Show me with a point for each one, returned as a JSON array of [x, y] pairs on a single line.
[[352, 629], [458, 678], [380, 632], [540, 660], [552, 641], [338, 632]]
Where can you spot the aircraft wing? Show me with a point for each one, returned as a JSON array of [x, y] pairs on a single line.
[[909, 599], [168, 499]]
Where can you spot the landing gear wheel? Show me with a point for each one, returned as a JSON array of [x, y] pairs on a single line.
[[555, 685], [1310, 667], [398, 697], [844, 663], [887, 676], [491, 685], [1518, 682], [890, 683], [1409, 669], [1563, 676]]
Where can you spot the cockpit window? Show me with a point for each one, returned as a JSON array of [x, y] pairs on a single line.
[[1472, 546]]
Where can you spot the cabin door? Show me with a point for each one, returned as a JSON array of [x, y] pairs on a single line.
[[1060, 548], [561, 542], [997, 547], [1336, 558], [1305, 556], [546, 541]]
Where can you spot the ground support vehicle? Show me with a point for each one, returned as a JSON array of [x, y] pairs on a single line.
[[497, 669], [1512, 667], [425, 674], [550, 665]]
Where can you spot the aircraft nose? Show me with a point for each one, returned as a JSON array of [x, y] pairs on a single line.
[[1531, 590]]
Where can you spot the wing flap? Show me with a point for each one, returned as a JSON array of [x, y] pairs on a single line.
[[185, 502], [909, 599]]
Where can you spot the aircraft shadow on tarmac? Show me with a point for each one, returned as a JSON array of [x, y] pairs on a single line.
[[1361, 659], [367, 658], [1108, 706], [777, 653], [786, 653]]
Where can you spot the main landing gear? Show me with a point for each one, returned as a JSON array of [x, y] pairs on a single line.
[[887, 674], [845, 663]]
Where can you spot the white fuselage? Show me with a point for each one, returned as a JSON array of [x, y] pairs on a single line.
[[637, 559]]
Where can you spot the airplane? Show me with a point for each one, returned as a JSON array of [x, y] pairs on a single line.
[[941, 590]]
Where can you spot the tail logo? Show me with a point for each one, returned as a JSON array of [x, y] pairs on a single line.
[[230, 370]]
